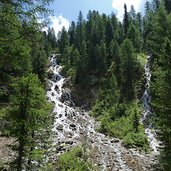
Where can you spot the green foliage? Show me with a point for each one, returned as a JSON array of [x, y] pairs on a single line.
[[23, 49], [28, 114], [72, 161], [142, 58], [136, 139], [122, 121], [71, 73], [128, 70]]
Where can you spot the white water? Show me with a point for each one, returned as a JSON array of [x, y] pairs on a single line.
[[73, 126], [147, 112]]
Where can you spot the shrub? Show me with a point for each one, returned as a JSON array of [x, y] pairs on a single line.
[[72, 161]]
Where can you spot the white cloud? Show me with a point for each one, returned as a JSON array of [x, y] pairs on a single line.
[[119, 6], [59, 22]]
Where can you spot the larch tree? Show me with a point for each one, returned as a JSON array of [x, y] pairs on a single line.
[[28, 116]]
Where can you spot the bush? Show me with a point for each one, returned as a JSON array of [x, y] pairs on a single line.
[[136, 139], [72, 161], [122, 121]]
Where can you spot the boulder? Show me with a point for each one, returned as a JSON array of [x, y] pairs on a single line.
[[60, 127]]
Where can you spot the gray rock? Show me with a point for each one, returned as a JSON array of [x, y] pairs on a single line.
[[72, 126], [115, 140], [60, 127]]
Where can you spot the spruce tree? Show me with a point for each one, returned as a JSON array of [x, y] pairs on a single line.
[[28, 115], [125, 20], [127, 66]]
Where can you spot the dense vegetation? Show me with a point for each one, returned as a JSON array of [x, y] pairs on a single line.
[[98, 52], [24, 112]]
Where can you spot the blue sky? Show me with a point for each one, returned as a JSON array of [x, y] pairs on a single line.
[[70, 8], [67, 10]]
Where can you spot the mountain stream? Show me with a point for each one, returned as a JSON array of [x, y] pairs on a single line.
[[147, 112], [73, 126]]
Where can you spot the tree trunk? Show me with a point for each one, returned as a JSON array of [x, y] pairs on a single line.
[[20, 155]]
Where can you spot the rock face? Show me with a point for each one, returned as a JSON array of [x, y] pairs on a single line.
[[73, 126]]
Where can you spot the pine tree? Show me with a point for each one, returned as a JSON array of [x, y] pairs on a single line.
[[125, 20], [28, 115], [109, 32], [14, 49], [80, 31], [127, 70], [135, 36], [52, 38], [63, 40], [115, 25], [132, 14], [72, 33], [39, 60]]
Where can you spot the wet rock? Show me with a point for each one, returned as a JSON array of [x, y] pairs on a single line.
[[53, 101], [60, 105], [60, 127], [69, 142], [60, 115], [60, 148], [115, 140], [72, 126], [56, 87], [68, 103], [48, 88], [69, 134], [99, 164]]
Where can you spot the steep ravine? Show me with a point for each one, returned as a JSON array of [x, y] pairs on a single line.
[[73, 126]]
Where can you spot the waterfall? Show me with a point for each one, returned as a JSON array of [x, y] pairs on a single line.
[[73, 126], [147, 113]]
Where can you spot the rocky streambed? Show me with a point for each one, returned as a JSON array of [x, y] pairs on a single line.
[[73, 126]]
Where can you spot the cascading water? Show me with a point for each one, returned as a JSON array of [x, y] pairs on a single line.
[[73, 126], [147, 112]]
